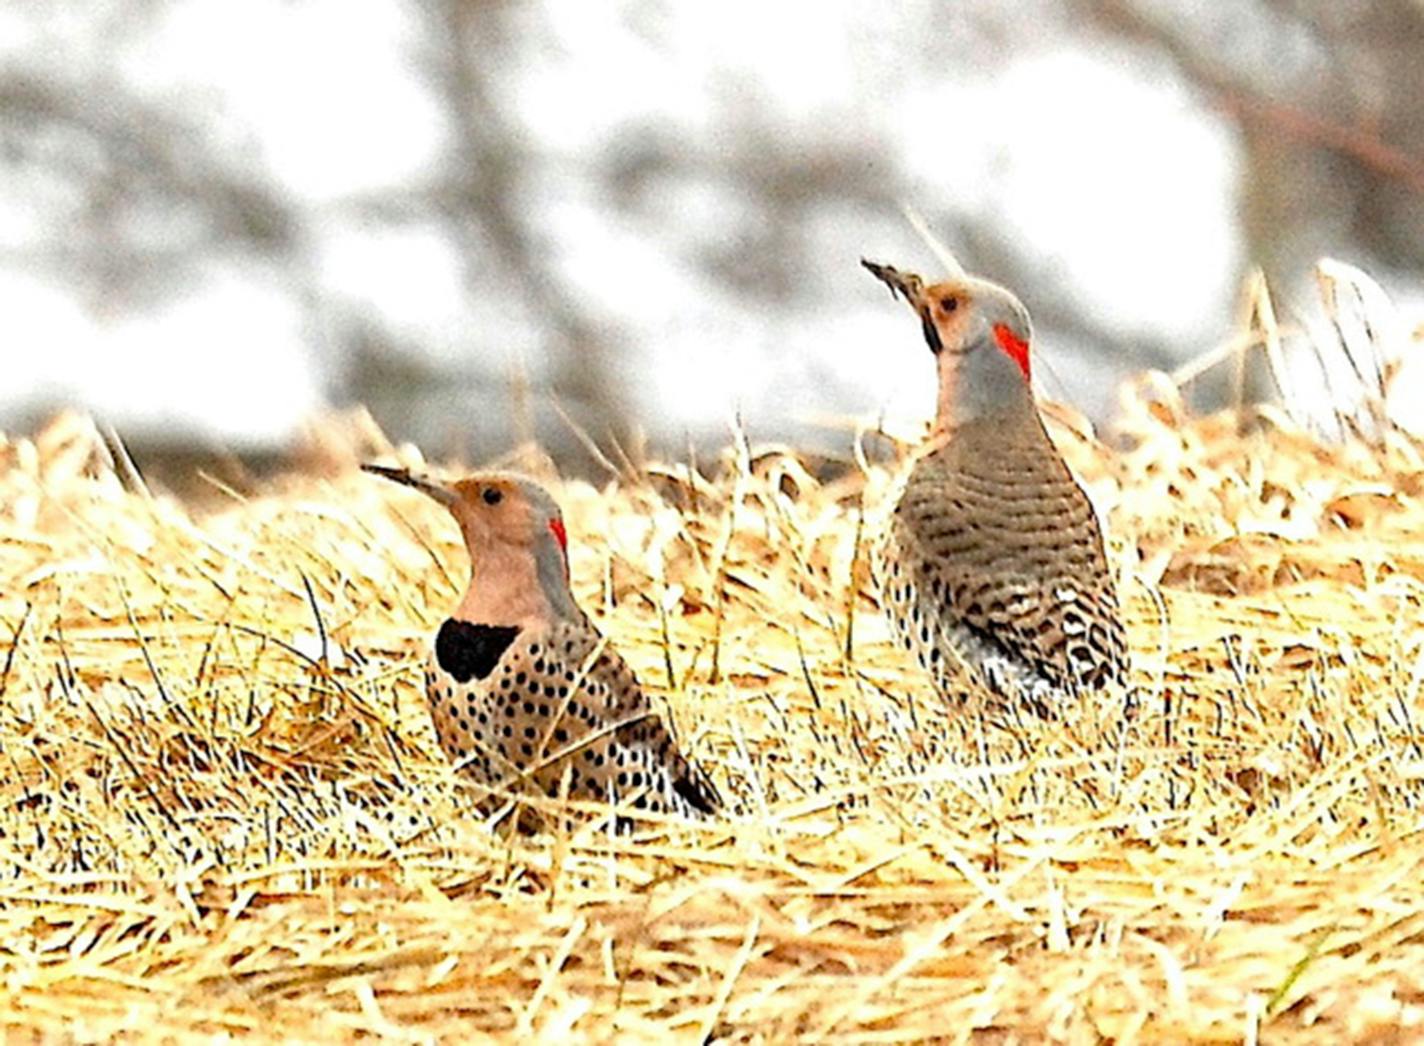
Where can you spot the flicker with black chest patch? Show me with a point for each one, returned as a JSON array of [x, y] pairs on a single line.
[[991, 566], [521, 686]]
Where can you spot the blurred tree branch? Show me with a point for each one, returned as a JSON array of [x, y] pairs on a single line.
[[1364, 146], [152, 195], [478, 199], [1353, 136]]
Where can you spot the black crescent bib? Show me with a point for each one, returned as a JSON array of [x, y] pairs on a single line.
[[469, 651]]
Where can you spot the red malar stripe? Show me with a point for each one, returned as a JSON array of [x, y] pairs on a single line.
[[1015, 349]]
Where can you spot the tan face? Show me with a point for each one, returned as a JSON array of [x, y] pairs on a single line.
[[948, 307], [514, 532], [497, 509], [959, 316], [492, 508]]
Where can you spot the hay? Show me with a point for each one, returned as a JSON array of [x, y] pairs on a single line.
[[223, 811]]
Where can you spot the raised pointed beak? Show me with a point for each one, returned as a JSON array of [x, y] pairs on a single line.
[[428, 487], [906, 284], [912, 289]]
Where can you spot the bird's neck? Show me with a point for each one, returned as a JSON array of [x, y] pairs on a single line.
[[990, 446], [1010, 424], [508, 588], [984, 388]]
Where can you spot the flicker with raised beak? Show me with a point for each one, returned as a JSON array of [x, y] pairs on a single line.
[[992, 566], [521, 686]]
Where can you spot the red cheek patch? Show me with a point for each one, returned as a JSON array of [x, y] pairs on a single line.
[[1015, 349], [556, 527]]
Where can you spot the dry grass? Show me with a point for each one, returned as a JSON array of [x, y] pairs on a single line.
[[223, 810]]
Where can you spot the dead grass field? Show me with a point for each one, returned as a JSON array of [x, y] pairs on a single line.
[[223, 812]]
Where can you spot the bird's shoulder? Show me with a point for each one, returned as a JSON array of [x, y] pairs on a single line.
[[607, 683]]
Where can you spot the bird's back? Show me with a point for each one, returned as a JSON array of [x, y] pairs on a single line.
[[997, 573], [558, 706]]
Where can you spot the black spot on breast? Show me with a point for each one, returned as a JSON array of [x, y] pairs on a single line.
[[469, 651]]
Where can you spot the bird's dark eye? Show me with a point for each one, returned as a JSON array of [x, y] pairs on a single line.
[[949, 304], [492, 496]]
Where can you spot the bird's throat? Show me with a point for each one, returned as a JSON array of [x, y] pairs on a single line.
[[503, 589], [982, 385]]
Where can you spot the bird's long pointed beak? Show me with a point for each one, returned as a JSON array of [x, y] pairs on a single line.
[[906, 284], [428, 487], [912, 289]]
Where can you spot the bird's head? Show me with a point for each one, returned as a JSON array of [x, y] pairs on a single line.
[[504, 518], [979, 333]]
